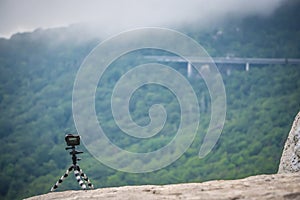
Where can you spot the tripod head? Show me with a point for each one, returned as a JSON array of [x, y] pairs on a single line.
[[73, 141]]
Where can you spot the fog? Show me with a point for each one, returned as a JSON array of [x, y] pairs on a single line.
[[116, 15]]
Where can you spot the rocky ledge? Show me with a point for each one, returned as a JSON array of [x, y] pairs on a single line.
[[290, 159], [276, 186]]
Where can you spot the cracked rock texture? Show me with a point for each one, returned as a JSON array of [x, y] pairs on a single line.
[[290, 159]]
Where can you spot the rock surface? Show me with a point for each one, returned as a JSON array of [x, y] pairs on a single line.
[[290, 159], [277, 186]]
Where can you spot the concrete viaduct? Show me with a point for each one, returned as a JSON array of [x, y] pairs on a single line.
[[225, 61]]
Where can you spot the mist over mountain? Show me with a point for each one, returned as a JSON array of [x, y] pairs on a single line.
[[110, 17], [37, 73]]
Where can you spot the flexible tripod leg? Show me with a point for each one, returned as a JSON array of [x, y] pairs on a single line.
[[61, 179], [85, 178], [78, 177]]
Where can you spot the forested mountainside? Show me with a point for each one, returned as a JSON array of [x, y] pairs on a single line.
[[37, 72]]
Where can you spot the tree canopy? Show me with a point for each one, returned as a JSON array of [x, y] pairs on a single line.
[[37, 72]]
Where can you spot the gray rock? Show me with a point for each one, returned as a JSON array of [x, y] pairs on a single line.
[[290, 159], [275, 187]]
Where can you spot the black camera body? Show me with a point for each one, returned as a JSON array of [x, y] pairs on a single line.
[[72, 140]]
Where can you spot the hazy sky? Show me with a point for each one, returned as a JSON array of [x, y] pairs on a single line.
[[112, 15]]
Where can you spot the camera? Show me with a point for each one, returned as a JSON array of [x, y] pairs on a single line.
[[72, 140]]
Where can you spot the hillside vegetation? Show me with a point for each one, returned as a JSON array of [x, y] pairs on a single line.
[[37, 72]]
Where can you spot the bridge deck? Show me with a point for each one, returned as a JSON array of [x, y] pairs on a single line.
[[225, 60]]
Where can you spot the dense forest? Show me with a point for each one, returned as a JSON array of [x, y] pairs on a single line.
[[37, 72]]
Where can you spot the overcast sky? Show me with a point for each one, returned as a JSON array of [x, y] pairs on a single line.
[[27, 15]]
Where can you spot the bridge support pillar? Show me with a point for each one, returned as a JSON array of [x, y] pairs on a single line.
[[247, 66], [228, 72], [189, 69]]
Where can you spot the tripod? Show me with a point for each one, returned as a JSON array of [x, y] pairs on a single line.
[[77, 172]]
